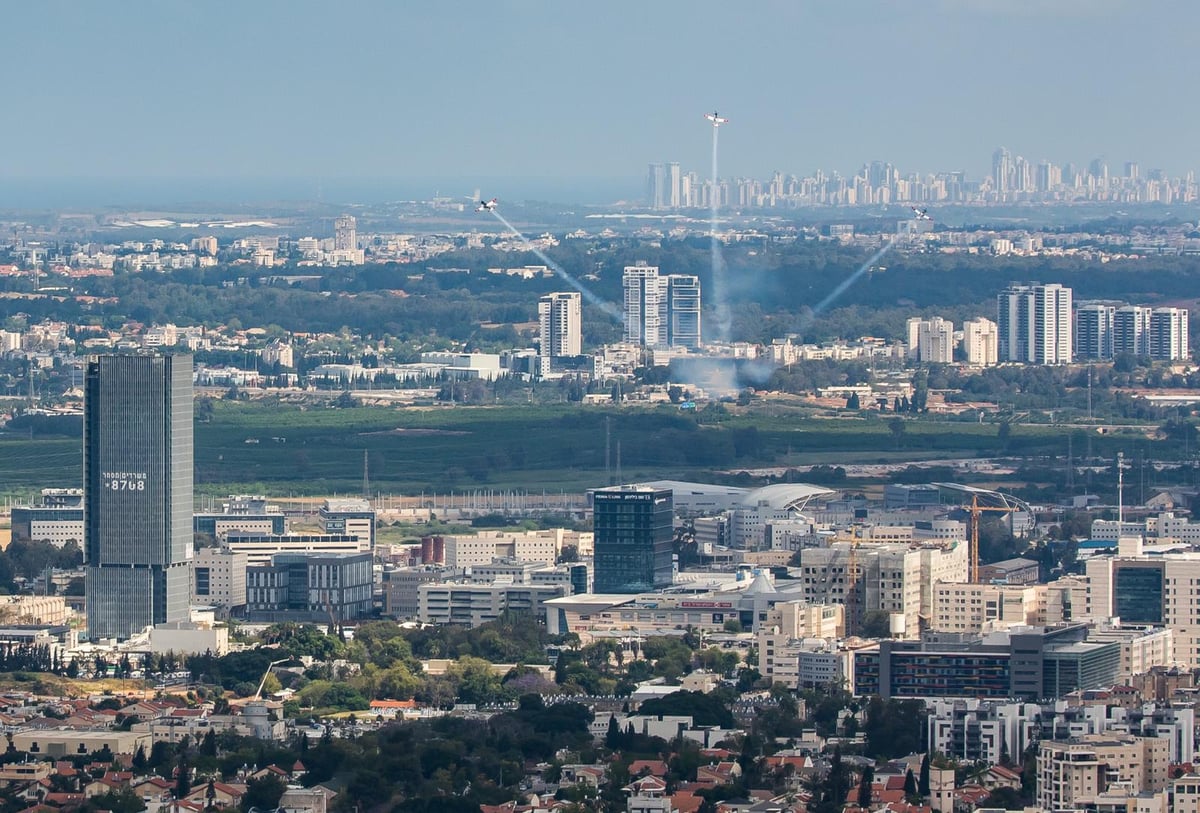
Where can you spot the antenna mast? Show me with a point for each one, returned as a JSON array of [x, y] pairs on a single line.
[[1120, 494], [366, 486]]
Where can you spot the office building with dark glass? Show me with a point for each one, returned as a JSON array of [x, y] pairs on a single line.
[[1137, 591], [137, 468], [633, 527]]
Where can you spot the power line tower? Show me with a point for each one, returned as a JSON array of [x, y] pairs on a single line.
[[608, 480]]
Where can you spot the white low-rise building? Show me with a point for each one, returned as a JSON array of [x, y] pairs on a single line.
[[475, 604], [972, 730], [539, 547], [219, 577], [793, 627]]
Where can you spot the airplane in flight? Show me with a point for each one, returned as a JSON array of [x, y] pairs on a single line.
[[920, 214], [486, 205], [716, 119]]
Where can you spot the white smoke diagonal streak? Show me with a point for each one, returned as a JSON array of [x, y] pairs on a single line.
[[592, 298], [850, 280]]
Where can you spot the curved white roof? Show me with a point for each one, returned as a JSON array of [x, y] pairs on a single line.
[[783, 496]]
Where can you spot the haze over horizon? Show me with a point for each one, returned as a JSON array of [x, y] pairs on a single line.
[[318, 97]]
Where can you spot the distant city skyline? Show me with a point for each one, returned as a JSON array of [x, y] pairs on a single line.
[[1013, 178], [534, 93]]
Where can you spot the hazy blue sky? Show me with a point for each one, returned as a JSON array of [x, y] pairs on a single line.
[[542, 90]]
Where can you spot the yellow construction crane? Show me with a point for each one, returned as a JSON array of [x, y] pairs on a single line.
[[851, 600], [982, 501]]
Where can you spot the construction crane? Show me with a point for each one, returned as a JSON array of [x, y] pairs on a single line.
[[982, 501], [850, 601], [850, 577]]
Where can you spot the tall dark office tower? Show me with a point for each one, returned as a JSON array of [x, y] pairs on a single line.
[[137, 469], [633, 528]]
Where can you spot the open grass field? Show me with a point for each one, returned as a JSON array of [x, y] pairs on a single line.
[[283, 450], [56, 686]]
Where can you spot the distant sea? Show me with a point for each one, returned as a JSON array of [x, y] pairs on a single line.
[[165, 193]]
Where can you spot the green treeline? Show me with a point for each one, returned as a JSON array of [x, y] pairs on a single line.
[[771, 287]]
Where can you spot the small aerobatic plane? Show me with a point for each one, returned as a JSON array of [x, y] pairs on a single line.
[[486, 205], [716, 119], [920, 214]]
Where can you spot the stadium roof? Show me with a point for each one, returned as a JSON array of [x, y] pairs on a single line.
[[784, 496], [683, 487], [986, 497]]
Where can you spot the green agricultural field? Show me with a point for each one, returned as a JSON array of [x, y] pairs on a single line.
[[286, 449], [39, 463]]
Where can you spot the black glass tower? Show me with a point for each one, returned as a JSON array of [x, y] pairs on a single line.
[[137, 468], [633, 528]]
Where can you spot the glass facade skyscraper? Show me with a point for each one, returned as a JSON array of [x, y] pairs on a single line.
[[1138, 592], [137, 468], [633, 529]]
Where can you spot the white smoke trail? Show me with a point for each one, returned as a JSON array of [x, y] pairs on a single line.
[[609, 308], [850, 280], [720, 300]]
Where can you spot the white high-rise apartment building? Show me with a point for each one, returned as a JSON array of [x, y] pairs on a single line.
[[661, 311], [931, 340], [643, 306], [560, 319], [1169, 334], [1094, 331], [979, 342], [1131, 330], [1035, 324], [913, 332]]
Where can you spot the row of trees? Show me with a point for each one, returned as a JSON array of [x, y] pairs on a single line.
[[449, 297]]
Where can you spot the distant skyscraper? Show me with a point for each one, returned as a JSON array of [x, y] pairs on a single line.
[[1022, 175], [1002, 171], [345, 233], [1098, 171], [1169, 334], [137, 468], [1094, 331], [661, 311], [980, 342], [674, 186], [560, 319], [1131, 330], [633, 527], [1034, 324], [656, 186]]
